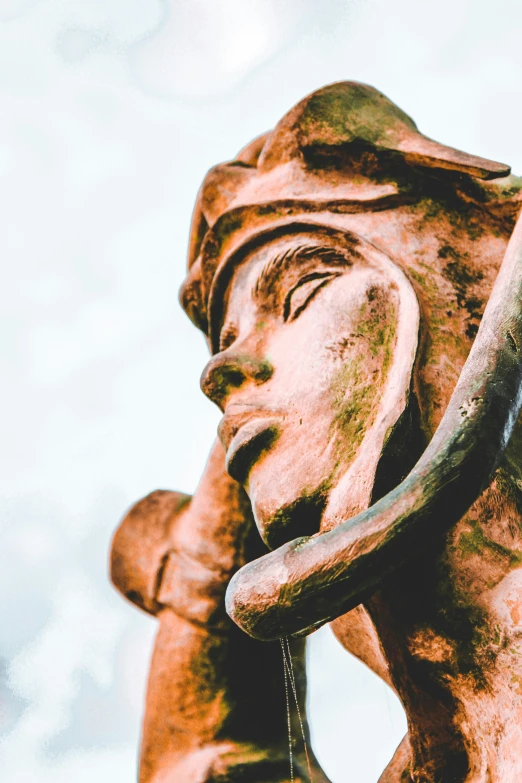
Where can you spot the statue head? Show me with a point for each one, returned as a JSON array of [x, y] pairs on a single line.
[[318, 335], [340, 267]]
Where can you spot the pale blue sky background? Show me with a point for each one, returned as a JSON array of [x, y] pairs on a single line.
[[112, 111]]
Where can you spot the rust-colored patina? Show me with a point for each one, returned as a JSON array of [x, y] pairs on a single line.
[[361, 289]]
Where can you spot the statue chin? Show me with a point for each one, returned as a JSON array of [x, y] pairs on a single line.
[[289, 487], [289, 510], [370, 475], [297, 518]]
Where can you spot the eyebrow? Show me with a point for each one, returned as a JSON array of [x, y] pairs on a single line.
[[277, 265]]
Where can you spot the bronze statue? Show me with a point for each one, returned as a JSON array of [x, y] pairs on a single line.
[[360, 286]]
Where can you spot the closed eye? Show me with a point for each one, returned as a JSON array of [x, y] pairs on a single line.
[[301, 294]]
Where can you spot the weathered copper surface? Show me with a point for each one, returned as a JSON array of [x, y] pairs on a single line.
[[361, 289]]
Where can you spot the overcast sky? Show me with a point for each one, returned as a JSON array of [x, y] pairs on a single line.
[[112, 111]]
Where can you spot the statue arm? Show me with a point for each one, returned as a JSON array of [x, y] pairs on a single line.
[[216, 698]]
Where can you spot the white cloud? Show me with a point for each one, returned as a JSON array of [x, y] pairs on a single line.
[[205, 48], [79, 636]]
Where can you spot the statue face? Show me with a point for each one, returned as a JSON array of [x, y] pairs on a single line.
[[306, 345]]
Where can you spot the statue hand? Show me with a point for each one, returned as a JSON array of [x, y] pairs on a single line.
[[177, 551], [210, 541]]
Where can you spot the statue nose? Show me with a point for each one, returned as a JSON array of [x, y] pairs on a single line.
[[227, 372]]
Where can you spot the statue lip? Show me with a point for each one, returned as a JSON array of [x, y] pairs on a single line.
[[235, 417], [245, 436]]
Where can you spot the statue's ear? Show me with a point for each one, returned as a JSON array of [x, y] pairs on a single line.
[[391, 442]]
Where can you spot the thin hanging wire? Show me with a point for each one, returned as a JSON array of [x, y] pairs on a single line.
[[294, 689], [290, 675], [288, 719]]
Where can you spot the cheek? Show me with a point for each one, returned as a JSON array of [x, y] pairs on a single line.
[[304, 367], [332, 362], [311, 354]]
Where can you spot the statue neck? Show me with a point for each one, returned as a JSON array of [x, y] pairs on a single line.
[[451, 630]]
